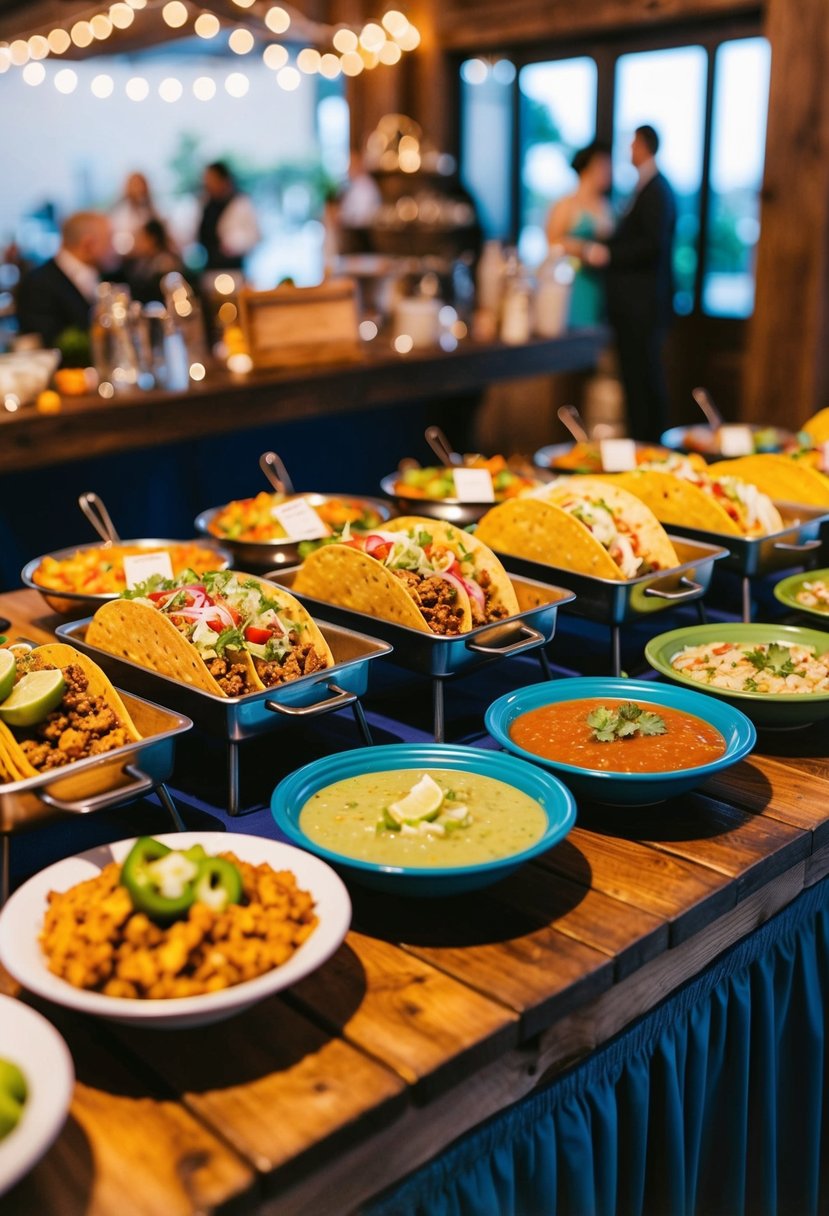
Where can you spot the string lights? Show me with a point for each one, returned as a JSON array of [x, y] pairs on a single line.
[[329, 52]]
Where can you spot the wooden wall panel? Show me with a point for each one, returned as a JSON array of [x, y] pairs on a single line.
[[787, 365]]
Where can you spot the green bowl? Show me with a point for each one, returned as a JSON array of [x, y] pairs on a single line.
[[786, 592], [775, 710]]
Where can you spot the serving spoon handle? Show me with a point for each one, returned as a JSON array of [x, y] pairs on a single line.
[[276, 473], [95, 511]]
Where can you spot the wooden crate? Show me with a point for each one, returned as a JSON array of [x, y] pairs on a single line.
[[295, 325]]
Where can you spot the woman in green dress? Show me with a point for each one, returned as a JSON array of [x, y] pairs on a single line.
[[584, 215]]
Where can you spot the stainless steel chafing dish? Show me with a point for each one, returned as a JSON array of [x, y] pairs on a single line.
[[615, 603], [236, 719], [439, 657]]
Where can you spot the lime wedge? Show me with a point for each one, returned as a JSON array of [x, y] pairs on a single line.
[[422, 801], [8, 668], [12, 1081], [32, 698]]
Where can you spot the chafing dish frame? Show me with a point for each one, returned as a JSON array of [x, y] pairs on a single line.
[[615, 603], [440, 658], [236, 719]]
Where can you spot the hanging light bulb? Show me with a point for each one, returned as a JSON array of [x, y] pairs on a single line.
[[34, 73], [372, 37], [204, 88], [102, 86], [121, 16], [81, 34], [275, 56], [66, 81], [277, 20], [330, 66], [352, 64], [241, 41], [101, 27], [137, 88], [390, 53], [207, 25], [38, 47], [5, 59], [59, 41], [175, 14], [345, 40], [395, 22], [409, 40], [19, 52], [288, 79], [237, 84], [308, 60], [170, 89]]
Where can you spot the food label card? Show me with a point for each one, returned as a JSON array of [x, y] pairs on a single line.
[[618, 455], [300, 520], [142, 566], [473, 485], [736, 441]]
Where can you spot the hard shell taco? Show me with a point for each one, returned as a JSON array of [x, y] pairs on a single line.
[[422, 573], [683, 495], [581, 524], [226, 633], [78, 716], [780, 477]]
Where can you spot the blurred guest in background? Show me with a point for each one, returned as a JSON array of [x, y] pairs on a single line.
[[153, 256], [585, 215], [640, 288], [59, 295], [132, 211], [228, 228]]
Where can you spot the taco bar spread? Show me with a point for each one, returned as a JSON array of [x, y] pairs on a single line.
[[60, 708], [226, 633], [169, 924], [421, 573], [581, 524], [617, 736]]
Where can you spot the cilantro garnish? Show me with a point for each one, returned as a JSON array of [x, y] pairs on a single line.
[[750, 685], [777, 659], [231, 637], [626, 721]]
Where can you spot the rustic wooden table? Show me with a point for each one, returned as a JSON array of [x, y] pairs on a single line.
[[428, 1021]]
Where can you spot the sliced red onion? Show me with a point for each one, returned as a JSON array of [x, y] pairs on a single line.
[[372, 543], [456, 582]]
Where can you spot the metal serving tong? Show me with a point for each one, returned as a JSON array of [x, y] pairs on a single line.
[[95, 511], [571, 418], [441, 446], [706, 403], [276, 473]]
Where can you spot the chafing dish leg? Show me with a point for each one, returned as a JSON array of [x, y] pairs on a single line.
[[5, 868], [362, 724], [233, 778], [438, 711], [702, 615], [170, 807], [544, 660], [616, 649], [746, 598]]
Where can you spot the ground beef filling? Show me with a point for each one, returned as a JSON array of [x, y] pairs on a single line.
[[493, 611], [300, 660], [437, 600], [83, 725], [232, 678]]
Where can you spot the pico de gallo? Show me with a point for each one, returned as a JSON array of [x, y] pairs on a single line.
[[252, 519], [434, 482]]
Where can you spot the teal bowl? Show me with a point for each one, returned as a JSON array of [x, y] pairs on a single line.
[[770, 711], [555, 799], [787, 589], [614, 788]]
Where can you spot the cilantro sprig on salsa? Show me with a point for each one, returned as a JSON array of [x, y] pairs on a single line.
[[626, 721]]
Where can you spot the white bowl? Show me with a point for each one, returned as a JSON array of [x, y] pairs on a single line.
[[37, 1049], [22, 917], [25, 373]]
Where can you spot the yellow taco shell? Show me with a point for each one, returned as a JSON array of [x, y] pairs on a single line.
[[778, 476]]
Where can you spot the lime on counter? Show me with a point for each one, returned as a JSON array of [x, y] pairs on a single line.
[[32, 698], [12, 1081], [8, 669]]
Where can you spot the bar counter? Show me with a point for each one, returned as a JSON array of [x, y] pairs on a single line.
[[91, 426], [436, 1017]]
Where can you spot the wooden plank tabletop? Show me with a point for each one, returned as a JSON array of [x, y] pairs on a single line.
[[433, 1014]]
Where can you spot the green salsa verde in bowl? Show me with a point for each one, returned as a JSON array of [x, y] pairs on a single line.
[[423, 819]]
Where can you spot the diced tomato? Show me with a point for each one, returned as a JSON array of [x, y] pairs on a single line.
[[354, 543], [721, 649], [381, 552], [259, 637]]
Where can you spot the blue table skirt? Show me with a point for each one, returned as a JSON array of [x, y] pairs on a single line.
[[713, 1103]]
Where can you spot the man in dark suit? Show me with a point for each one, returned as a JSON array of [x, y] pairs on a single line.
[[59, 295], [640, 288]]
